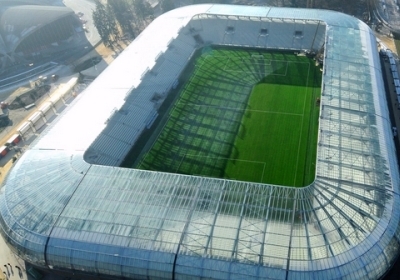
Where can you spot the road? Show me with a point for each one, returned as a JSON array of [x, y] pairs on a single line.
[[86, 7], [389, 12]]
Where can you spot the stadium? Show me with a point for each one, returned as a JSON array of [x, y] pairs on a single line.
[[70, 207]]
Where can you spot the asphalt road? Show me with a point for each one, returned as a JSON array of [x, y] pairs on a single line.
[[387, 10], [86, 7]]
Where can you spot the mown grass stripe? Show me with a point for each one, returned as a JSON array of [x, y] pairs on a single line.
[[255, 122]]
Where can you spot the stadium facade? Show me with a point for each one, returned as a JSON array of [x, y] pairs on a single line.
[[67, 206]]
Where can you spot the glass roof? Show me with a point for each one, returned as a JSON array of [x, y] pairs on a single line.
[[59, 211]]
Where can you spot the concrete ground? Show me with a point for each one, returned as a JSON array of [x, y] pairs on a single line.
[[388, 42]]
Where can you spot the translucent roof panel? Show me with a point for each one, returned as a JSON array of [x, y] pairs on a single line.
[[62, 207]]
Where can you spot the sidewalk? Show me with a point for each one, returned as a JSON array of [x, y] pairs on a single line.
[[9, 262]]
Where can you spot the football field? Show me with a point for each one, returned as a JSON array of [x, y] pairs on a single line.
[[242, 114]]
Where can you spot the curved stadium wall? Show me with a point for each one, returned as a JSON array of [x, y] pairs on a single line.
[[67, 206]]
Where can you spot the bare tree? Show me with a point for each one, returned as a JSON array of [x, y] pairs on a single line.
[[100, 21], [167, 5], [123, 15], [104, 20]]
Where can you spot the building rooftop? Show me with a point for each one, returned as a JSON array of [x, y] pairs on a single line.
[[18, 22]]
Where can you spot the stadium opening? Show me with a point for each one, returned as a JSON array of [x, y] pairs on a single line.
[[241, 113]]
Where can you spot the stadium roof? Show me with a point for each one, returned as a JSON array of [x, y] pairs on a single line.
[[59, 211], [17, 22]]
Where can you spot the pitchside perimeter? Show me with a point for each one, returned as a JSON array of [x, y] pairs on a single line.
[[244, 115]]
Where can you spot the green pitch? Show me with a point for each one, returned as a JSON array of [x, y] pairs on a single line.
[[274, 139], [241, 114]]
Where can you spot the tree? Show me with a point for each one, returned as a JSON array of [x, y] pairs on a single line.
[[167, 5], [111, 23], [209, 1], [142, 9], [104, 20], [100, 21], [123, 15]]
